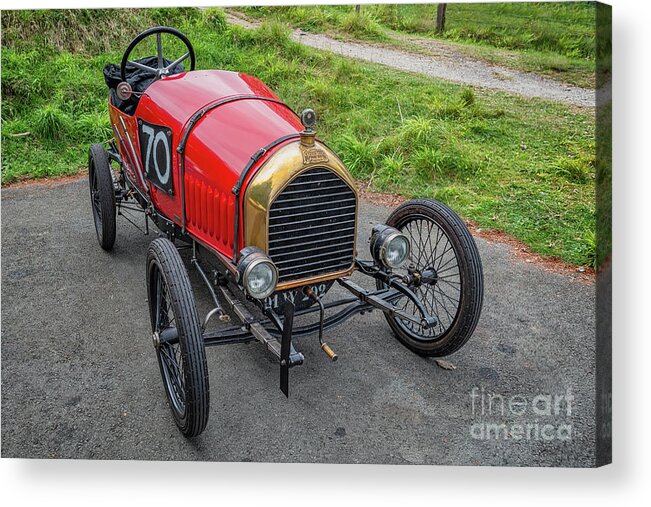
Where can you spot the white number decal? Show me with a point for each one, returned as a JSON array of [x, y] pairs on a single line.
[[146, 129], [161, 137], [153, 138]]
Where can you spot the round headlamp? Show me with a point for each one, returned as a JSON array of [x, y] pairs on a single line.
[[257, 274], [389, 246]]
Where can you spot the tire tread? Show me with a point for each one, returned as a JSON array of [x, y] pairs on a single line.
[[472, 299], [195, 366], [99, 162]]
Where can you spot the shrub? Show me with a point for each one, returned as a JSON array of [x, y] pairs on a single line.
[[95, 126], [391, 171], [50, 123], [424, 163], [467, 97], [575, 170], [589, 243], [273, 33], [417, 131], [363, 25], [215, 18], [359, 156]]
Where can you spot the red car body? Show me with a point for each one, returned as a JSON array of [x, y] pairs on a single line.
[[218, 150]]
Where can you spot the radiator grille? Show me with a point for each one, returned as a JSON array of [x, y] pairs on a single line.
[[312, 226]]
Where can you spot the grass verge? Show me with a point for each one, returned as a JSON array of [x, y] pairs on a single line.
[[518, 165]]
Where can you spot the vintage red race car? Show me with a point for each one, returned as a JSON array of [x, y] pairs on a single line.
[[268, 214]]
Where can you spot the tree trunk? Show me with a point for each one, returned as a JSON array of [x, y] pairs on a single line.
[[440, 17]]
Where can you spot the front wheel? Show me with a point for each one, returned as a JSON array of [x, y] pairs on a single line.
[[440, 242], [177, 337]]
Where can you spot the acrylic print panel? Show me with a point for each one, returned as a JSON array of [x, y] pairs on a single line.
[[361, 234]]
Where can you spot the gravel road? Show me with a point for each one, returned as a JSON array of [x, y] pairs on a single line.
[[447, 64], [80, 378]]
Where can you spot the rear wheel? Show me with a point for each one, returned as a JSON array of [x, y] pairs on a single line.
[[102, 195], [177, 337], [440, 242]]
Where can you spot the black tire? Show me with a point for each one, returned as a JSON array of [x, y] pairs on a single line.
[[182, 355], [459, 307], [102, 195]]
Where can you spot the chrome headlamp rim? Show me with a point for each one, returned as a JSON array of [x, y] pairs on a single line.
[[382, 236], [248, 263], [384, 248]]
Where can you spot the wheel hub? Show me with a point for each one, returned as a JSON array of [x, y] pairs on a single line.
[[156, 340], [429, 276], [416, 278]]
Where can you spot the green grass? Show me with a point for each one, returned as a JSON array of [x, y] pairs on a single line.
[[518, 165], [321, 18], [556, 38]]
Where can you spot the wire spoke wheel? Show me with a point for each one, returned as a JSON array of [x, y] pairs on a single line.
[[441, 244], [431, 249], [102, 195], [94, 190], [170, 356], [177, 337]]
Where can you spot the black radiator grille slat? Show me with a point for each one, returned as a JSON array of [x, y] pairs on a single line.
[[300, 273], [288, 261], [309, 207], [312, 226], [300, 198], [306, 185], [308, 219], [328, 242], [279, 231], [290, 240]]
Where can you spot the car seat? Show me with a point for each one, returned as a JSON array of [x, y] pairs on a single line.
[[137, 78]]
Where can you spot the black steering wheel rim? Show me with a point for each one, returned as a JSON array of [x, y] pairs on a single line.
[[157, 30]]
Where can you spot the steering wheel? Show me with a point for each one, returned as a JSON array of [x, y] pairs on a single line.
[[161, 69]]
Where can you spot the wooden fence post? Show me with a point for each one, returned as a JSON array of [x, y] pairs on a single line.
[[440, 17], [357, 8]]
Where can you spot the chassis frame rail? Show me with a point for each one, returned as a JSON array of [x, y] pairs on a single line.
[[246, 333]]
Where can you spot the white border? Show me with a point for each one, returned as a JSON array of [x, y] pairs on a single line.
[[99, 483]]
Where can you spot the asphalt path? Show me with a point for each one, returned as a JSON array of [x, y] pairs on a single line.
[[80, 377]]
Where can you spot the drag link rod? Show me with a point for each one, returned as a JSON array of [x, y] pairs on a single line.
[[426, 320]]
